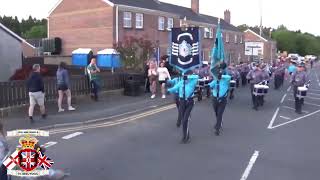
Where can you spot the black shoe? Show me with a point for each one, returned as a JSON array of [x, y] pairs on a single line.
[[217, 133], [298, 112], [44, 116], [31, 119], [178, 124], [186, 140], [255, 108]]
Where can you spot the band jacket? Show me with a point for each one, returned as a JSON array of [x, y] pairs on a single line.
[[190, 85], [255, 76], [299, 78], [224, 84]]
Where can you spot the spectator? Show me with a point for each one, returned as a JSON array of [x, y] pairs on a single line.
[[63, 83], [93, 71], [4, 150], [152, 74], [165, 59], [164, 75], [147, 82], [36, 92]]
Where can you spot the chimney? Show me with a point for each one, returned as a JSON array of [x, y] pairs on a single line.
[[195, 6], [227, 16]]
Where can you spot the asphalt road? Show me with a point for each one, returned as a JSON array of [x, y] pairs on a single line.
[[273, 143]]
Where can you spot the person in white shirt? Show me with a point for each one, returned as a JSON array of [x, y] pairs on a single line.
[[164, 75], [152, 74]]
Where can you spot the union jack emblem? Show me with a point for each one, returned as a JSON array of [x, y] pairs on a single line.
[[28, 159], [44, 161]]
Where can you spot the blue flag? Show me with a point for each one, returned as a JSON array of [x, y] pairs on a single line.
[[217, 54]]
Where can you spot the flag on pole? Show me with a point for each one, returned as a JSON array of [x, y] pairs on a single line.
[[185, 48], [218, 55], [156, 55]]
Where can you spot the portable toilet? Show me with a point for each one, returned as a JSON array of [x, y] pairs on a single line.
[[108, 58], [81, 56]]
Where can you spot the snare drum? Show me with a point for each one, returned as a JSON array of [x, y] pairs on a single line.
[[258, 90], [233, 84], [265, 90], [302, 92]]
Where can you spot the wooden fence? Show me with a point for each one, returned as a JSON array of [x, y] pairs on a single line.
[[15, 93]]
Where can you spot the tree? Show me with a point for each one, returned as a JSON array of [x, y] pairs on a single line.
[[22, 28], [134, 51], [243, 27], [38, 31]]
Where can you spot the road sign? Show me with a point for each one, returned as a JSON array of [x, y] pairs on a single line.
[[254, 48]]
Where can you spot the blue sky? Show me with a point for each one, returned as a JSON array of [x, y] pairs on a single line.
[[295, 14]]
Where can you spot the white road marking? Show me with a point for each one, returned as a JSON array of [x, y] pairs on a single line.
[[289, 88], [284, 117], [306, 103], [273, 118], [284, 96], [297, 119], [48, 144], [315, 94], [316, 90], [72, 135], [317, 78], [314, 98], [114, 123], [253, 159], [287, 107]]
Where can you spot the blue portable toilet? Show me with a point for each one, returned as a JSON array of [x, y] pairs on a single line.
[[81, 56], [108, 58]]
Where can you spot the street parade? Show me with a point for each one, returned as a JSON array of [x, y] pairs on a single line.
[[159, 90]]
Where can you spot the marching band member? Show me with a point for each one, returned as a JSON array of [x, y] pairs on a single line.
[[279, 72], [220, 87], [255, 77], [265, 77], [234, 75], [174, 82], [238, 75], [299, 79], [185, 88], [244, 72], [292, 68]]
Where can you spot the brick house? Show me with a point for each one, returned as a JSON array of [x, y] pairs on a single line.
[[269, 46], [98, 24]]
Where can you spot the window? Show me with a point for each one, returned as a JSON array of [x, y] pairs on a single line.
[[211, 32], [170, 23], [241, 39], [227, 37], [206, 33], [161, 23], [235, 39], [139, 21], [127, 19]]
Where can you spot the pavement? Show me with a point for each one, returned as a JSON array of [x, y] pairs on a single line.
[[273, 143], [111, 104]]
